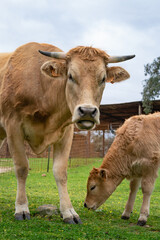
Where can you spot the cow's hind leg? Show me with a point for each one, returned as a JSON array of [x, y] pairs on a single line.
[[147, 185], [17, 150], [134, 185], [61, 154]]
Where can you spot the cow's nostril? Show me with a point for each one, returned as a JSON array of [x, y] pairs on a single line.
[[85, 205], [94, 112], [81, 111], [87, 111]]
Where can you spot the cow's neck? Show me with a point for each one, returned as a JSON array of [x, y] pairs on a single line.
[[47, 129], [60, 115], [54, 97], [115, 162]]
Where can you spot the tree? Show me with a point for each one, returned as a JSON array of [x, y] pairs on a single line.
[[151, 87]]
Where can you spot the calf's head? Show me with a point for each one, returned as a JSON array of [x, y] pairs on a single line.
[[86, 71], [99, 187]]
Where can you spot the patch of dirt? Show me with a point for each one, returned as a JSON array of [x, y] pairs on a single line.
[[5, 169]]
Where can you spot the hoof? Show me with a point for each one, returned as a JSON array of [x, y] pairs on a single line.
[[77, 220], [74, 220], [19, 216], [27, 216], [124, 217], [69, 221], [22, 216], [141, 223]]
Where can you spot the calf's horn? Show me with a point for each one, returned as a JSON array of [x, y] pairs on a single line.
[[115, 59], [54, 54]]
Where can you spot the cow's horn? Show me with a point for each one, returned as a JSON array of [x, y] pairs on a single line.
[[54, 54], [115, 59]]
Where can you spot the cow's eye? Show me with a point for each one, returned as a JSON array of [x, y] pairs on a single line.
[[92, 188], [71, 78], [103, 80]]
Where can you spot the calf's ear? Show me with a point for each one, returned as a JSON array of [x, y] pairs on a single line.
[[53, 69], [116, 74], [103, 173]]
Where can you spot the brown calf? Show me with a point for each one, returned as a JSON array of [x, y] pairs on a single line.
[[134, 155]]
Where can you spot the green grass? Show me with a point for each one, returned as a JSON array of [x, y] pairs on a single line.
[[6, 162], [103, 224], [40, 164]]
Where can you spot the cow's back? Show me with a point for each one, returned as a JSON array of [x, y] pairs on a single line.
[[141, 135], [23, 84]]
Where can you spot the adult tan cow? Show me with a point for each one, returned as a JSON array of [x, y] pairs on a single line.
[[40, 99], [135, 155]]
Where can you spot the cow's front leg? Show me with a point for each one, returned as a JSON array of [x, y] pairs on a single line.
[[134, 185], [60, 156], [147, 185], [17, 150]]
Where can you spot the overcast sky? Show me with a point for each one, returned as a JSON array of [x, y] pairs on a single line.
[[117, 26]]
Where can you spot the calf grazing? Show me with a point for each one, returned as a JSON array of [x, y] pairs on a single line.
[[134, 155]]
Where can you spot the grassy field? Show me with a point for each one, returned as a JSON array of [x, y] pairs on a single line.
[[102, 224], [41, 164]]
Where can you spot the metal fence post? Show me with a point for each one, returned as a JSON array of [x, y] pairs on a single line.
[[49, 151]]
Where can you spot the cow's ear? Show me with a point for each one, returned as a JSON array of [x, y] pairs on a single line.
[[116, 74], [103, 173], [53, 68]]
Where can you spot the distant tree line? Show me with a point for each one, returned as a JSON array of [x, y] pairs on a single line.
[[151, 86]]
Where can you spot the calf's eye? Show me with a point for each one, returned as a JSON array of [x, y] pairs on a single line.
[[92, 188]]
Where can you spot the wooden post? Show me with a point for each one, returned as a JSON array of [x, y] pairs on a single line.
[[103, 142], [89, 144], [69, 161], [139, 109]]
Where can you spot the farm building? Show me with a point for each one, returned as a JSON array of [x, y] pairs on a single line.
[[95, 143]]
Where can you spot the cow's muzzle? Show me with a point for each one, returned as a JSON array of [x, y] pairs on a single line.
[[86, 117]]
